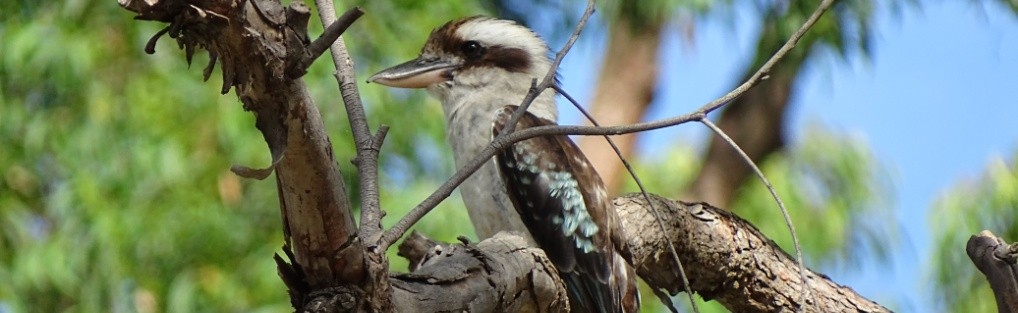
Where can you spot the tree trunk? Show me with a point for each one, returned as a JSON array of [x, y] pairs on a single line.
[[624, 91], [755, 122]]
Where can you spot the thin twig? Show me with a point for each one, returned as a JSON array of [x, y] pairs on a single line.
[[549, 78], [781, 205], [446, 189], [367, 157], [765, 69], [331, 33], [643, 191]]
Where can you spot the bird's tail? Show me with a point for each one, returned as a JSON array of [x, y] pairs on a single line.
[[625, 278], [619, 294]]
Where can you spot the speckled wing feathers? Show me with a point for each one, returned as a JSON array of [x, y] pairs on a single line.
[[563, 203]]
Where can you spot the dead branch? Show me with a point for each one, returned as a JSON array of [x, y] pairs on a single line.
[[995, 258]]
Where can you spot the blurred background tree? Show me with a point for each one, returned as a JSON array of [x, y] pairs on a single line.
[[116, 194]]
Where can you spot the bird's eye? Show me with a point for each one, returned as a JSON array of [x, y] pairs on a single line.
[[472, 49]]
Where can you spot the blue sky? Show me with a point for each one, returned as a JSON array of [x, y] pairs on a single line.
[[935, 102]]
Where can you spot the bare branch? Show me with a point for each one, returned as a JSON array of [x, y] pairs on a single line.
[[996, 260], [367, 157], [765, 69], [499, 274], [331, 34]]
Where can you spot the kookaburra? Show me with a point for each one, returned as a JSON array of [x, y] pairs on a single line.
[[544, 188]]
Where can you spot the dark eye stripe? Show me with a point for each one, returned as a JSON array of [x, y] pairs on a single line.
[[444, 39], [510, 59]]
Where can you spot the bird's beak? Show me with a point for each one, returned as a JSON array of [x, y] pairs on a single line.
[[416, 73]]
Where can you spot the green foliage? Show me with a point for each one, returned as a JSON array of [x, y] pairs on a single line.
[[115, 192], [991, 203], [846, 29]]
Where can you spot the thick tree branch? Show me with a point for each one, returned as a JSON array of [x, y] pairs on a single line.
[[256, 43], [770, 188], [996, 259], [499, 274], [727, 259]]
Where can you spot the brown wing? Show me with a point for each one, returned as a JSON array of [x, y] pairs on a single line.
[[563, 203]]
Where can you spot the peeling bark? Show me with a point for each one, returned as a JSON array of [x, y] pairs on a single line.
[[256, 44]]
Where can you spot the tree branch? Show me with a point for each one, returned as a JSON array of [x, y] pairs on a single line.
[[728, 260], [368, 147], [367, 157], [255, 43], [770, 188], [996, 260], [499, 274]]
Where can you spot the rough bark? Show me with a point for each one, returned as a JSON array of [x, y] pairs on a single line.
[[624, 91], [261, 48], [499, 274], [725, 257], [996, 260]]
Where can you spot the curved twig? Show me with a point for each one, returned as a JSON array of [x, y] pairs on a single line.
[[643, 192], [781, 205]]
